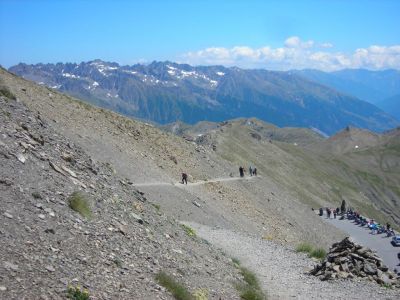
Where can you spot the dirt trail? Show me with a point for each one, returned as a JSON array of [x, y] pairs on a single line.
[[179, 184]]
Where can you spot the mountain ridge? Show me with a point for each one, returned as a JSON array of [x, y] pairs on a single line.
[[165, 92]]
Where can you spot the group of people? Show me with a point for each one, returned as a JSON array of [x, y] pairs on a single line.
[[252, 171], [375, 227], [330, 212], [358, 219]]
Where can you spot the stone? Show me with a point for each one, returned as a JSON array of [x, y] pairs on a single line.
[[384, 279], [336, 268], [10, 266], [41, 216], [50, 268], [7, 215], [3, 288], [383, 268], [370, 269], [137, 218], [21, 157], [344, 275]]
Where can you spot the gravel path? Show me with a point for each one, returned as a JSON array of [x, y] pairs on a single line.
[[179, 184], [282, 271]]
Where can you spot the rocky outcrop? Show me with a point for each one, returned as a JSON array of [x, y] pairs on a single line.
[[346, 259], [114, 252]]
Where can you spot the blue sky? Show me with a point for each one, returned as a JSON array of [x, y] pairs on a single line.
[[327, 35]]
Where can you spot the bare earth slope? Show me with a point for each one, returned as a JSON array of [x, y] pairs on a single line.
[[115, 253], [141, 160], [141, 153]]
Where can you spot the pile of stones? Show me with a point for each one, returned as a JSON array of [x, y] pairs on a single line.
[[346, 259]]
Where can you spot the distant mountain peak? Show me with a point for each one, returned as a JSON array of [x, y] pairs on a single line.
[[165, 91]]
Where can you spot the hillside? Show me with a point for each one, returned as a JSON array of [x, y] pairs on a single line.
[[53, 145], [166, 92], [356, 165]]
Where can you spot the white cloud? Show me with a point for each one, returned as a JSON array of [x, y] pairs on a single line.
[[298, 54], [326, 45]]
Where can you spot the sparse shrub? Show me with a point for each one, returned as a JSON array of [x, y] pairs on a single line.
[[189, 230], [200, 294], [79, 202], [6, 93], [175, 288], [76, 293], [117, 262], [36, 195], [156, 206], [318, 253], [304, 247], [251, 289], [236, 261]]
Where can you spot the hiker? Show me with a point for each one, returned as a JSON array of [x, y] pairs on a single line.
[[328, 213], [241, 171], [255, 171], [334, 213], [250, 171], [343, 206], [321, 211], [184, 178]]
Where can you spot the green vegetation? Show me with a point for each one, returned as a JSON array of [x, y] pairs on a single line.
[[156, 206], [308, 248], [200, 294], [318, 253], [236, 261], [250, 289], [304, 247], [175, 288], [189, 230], [6, 93], [79, 202], [76, 293]]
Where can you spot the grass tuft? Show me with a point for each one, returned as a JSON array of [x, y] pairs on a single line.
[[6, 93], [189, 230], [175, 288], [307, 248], [251, 289], [76, 293], [304, 247], [318, 253], [79, 202]]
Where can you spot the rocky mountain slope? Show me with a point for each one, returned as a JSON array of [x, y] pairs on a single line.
[[165, 92], [116, 253], [130, 170]]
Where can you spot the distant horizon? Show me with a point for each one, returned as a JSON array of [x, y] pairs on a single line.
[[274, 35], [192, 65]]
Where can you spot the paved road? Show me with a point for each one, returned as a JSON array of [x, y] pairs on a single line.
[[378, 242]]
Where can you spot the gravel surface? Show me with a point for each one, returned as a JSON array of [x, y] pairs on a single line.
[[282, 271]]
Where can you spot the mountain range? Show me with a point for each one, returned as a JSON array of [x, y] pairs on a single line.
[[381, 88], [165, 92]]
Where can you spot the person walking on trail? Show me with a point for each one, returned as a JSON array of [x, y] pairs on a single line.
[[255, 171], [241, 171], [250, 171], [184, 178]]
